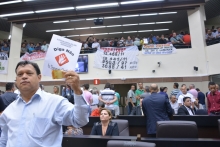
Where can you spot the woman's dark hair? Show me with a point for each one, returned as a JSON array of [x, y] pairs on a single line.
[[107, 85], [23, 63], [101, 104]]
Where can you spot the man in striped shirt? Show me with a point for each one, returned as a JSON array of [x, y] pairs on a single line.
[[175, 91]]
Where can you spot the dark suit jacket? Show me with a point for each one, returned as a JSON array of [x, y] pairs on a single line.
[[183, 111], [156, 107], [112, 129]]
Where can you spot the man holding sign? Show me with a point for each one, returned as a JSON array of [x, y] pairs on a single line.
[[35, 119]]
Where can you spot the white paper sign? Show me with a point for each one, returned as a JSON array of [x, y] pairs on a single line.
[[3, 63], [62, 54], [121, 58], [158, 49]]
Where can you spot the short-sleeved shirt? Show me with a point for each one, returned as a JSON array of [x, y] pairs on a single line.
[[175, 92], [131, 95], [187, 39], [175, 39], [129, 42], [118, 99], [175, 106], [180, 98], [138, 92], [87, 96], [108, 95]]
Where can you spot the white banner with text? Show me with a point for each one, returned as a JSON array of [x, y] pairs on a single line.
[[158, 49], [3, 63]]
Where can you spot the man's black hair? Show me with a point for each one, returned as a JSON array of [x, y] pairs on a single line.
[[108, 85], [23, 63], [184, 99], [9, 86], [211, 83], [86, 86], [176, 85]]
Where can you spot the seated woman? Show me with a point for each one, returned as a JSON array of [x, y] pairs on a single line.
[[106, 127], [96, 112]]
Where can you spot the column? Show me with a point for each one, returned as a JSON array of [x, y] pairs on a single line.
[[196, 20], [15, 47]]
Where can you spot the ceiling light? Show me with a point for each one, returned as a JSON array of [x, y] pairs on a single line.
[[82, 28], [161, 30], [130, 24], [9, 37], [77, 20], [67, 29], [138, 1], [52, 30], [10, 2], [91, 18], [147, 23], [112, 17], [64, 21], [86, 35], [113, 26], [20, 13], [115, 33], [145, 31], [72, 36], [130, 32], [97, 6], [130, 16], [101, 34], [98, 27], [167, 13], [149, 14], [57, 9], [164, 22], [24, 24]]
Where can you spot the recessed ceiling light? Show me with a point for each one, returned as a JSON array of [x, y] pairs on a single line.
[[52, 30], [115, 33], [82, 28], [98, 27], [147, 23], [63, 21], [67, 29], [130, 24], [97, 6], [112, 17], [138, 1], [101, 34], [77, 20], [57, 9], [149, 14], [164, 22], [145, 31], [130, 32], [20, 13], [10, 2], [114, 26], [167, 13], [161, 30], [130, 16], [86, 35]]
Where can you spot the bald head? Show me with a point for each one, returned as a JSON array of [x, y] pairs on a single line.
[[153, 88]]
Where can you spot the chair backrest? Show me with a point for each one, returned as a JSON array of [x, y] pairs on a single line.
[[121, 143], [219, 125], [123, 126], [177, 129], [201, 112]]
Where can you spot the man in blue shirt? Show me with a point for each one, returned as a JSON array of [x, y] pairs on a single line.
[[36, 117], [201, 98]]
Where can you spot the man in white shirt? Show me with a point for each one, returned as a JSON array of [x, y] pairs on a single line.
[[217, 33], [186, 108], [45, 46], [174, 104], [35, 118], [185, 94], [95, 44]]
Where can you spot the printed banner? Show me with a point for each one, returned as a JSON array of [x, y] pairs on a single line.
[[33, 56], [62, 54], [3, 63], [113, 58], [158, 49]]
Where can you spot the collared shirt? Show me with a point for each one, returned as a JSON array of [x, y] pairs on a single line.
[[108, 95], [38, 123], [175, 92], [96, 45], [131, 95], [139, 92], [95, 99], [129, 42], [214, 102], [175, 106], [201, 98], [118, 99], [217, 33], [189, 110], [164, 93], [180, 98], [175, 39]]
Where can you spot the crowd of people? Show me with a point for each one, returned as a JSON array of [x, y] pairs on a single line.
[[212, 36]]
